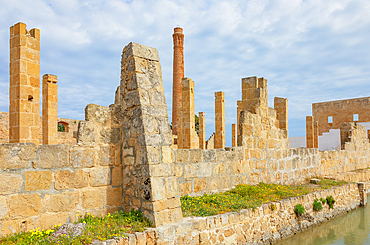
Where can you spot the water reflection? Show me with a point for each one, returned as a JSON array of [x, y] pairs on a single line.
[[352, 228]]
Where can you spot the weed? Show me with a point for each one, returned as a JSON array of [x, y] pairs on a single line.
[[299, 209], [323, 200], [317, 206], [330, 200], [273, 207], [97, 228]]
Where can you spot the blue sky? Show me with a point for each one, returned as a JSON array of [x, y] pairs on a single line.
[[309, 51]]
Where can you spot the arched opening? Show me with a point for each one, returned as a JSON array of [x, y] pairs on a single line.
[[63, 127]]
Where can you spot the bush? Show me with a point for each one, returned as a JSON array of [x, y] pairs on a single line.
[[299, 209], [317, 206], [323, 200], [330, 200]]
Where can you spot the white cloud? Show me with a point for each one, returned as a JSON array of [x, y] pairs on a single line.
[[309, 51]]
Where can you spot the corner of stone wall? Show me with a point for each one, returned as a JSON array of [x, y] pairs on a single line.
[[149, 179]]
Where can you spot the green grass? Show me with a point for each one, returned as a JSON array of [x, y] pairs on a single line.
[[97, 228], [247, 196]]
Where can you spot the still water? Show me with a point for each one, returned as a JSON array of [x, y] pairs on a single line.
[[352, 228]]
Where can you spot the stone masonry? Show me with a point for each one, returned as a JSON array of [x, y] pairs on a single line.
[[49, 110], [124, 159], [202, 131], [187, 115], [178, 75], [341, 111], [219, 120], [149, 184], [24, 90]]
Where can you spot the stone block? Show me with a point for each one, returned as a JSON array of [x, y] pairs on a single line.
[[24, 206], [50, 156], [196, 155], [38, 180], [117, 176], [17, 225], [67, 179], [199, 185], [49, 220], [182, 155], [100, 176], [167, 154], [82, 157], [10, 183], [114, 196], [92, 198], [60, 202], [15, 156], [4, 210]]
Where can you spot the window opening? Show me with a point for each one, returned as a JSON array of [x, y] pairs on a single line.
[[355, 117], [330, 119]]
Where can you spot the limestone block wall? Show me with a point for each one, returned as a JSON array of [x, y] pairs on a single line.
[[342, 111], [259, 226], [215, 170], [62, 137], [355, 153], [44, 185]]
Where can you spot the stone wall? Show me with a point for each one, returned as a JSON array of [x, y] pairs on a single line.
[[216, 170], [62, 137], [258, 226], [355, 153], [342, 111], [44, 185]]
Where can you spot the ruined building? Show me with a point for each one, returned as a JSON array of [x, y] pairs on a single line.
[[124, 157]]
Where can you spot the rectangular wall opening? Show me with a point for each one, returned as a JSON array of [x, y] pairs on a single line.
[[355, 117], [330, 119]]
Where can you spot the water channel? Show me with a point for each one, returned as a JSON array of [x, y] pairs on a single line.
[[352, 228]]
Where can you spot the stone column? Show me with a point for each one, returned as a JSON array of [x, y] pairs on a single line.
[[178, 75], [146, 138], [316, 134], [188, 114], [24, 89], [219, 120], [281, 108], [49, 109], [234, 135], [239, 104], [202, 131], [310, 139]]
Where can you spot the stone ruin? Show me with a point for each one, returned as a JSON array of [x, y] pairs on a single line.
[[126, 157]]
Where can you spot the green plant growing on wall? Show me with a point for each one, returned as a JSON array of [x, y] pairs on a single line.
[[273, 207], [322, 200], [299, 209], [330, 200], [317, 206]]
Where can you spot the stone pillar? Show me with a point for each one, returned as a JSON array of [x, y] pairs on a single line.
[[146, 149], [188, 114], [49, 109], [24, 89], [219, 120], [178, 75], [202, 131], [310, 139], [254, 95], [316, 134], [239, 104], [234, 135], [281, 108]]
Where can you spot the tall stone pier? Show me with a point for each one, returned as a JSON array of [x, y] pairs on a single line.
[[24, 90], [178, 74]]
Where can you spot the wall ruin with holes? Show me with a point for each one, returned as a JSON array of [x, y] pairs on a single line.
[[124, 158], [341, 111], [63, 137]]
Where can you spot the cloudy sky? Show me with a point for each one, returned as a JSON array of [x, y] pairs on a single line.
[[308, 50]]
